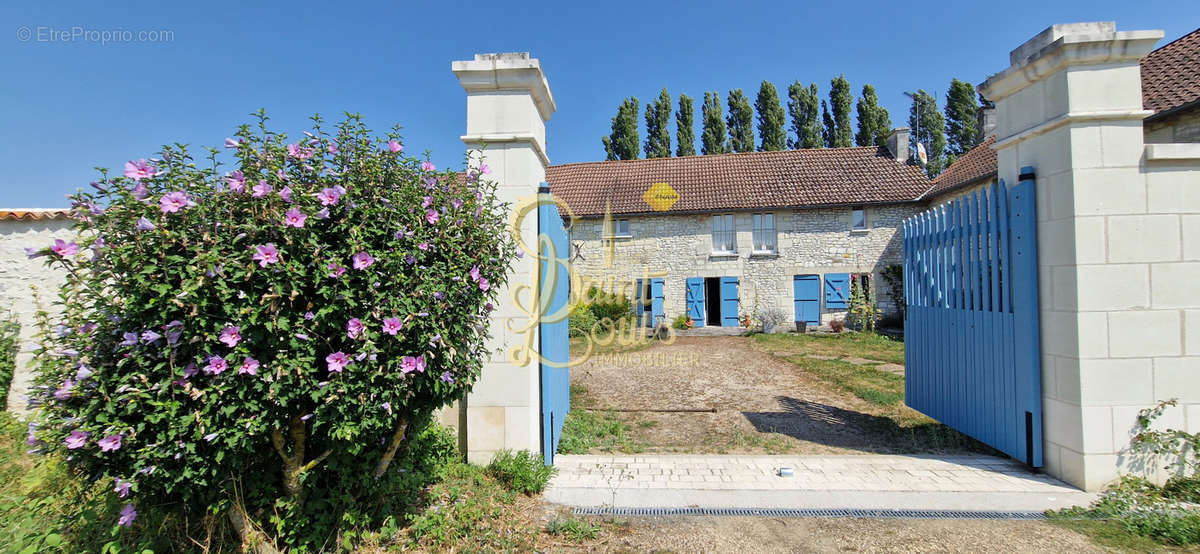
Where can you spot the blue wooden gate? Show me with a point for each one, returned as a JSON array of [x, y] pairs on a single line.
[[729, 302], [554, 282], [807, 289], [695, 300], [972, 358]]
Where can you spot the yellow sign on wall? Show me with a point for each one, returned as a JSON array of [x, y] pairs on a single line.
[[660, 197]]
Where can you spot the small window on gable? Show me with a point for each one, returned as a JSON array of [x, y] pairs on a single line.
[[858, 218]]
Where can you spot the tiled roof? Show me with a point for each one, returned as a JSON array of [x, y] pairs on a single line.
[[1171, 74], [813, 177], [32, 215], [977, 164]]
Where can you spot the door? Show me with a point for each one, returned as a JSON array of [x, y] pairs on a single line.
[[553, 343], [807, 289], [729, 302], [695, 300], [657, 315]]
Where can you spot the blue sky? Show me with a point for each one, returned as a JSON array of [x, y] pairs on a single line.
[[69, 106]]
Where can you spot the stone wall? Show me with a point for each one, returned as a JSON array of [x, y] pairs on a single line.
[[979, 187], [17, 275], [1180, 127], [809, 241]]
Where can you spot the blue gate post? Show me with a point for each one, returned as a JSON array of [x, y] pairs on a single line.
[[554, 348], [1025, 313]]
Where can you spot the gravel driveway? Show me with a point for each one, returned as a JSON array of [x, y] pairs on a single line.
[[762, 404]]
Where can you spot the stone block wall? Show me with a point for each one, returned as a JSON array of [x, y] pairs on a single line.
[[809, 241], [17, 275], [1180, 127]]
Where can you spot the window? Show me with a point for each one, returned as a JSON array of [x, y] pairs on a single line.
[[621, 228], [764, 232], [724, 238], [858, 218]]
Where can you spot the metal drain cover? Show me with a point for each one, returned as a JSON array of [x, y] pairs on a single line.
[[809, 512]]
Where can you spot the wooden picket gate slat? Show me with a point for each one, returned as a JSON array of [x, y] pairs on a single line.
[[971, 328]]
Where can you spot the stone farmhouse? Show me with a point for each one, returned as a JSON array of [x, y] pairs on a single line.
[[789, 230]]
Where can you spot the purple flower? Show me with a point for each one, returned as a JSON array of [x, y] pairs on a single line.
[[354, 327], [231, 143], [446, 377], [392, 325], [409, 364], [76, 440], [484, 169], [130, 339], [388, 406], [266, 254], [427, 201], [431, 216], [332, 148], [428, 166], [457, 203], [140, 192], [190, 370], [301, 336], [335, 270], [483, 284], [109, 443], [140, 169], [64, 248], [236, 181], [423, 246], [328, 196], [394, 146], [474, 273], [174, 201], [83, 373], [323, 213], [261, 189], [362, 260], [433, 341], [286, 194], [216, 365], [337, 362], [210, 437], [409, 259], [308, 316], [297, 151], [149, 336], [438, 295], [65, 393], [122, 487], [128, 514], [231, 335], [144, 224], [32, 253], [249, 366], [295, 218]]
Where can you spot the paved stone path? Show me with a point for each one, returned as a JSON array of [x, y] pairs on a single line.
[[867, 481]]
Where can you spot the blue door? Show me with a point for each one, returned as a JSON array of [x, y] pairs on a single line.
[[695, 300], [729, 302], [639, 305], [553, 343], [807, 290], [656, 302]]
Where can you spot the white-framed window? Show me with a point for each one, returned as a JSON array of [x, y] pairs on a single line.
[[764, 233], [620, 228], [724, 237], [858, 218]]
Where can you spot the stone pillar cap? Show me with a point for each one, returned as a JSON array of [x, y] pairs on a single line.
[[506, 71]]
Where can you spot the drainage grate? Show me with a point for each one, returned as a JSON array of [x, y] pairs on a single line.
[[809, 512]]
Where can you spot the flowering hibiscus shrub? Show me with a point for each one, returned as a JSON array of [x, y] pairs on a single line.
[[268, 333]]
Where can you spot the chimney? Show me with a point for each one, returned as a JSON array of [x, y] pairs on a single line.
[[987, 119], [897, 144]]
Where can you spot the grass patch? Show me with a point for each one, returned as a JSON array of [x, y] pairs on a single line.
[[871, 346], [1109, 533], [522, 471], [575, 529], [586, 429], [877, 387]]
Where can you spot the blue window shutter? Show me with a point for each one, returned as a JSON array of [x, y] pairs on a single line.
[[695, 300], [837, 290]]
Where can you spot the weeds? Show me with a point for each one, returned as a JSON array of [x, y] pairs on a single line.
[[522, 471], [871, 346], [574, 528]]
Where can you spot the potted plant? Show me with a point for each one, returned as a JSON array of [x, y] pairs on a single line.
[[801, 326]]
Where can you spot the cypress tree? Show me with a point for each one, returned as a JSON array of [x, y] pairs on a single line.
[[829, 128], [963, 131], [770, 118], [874, 123], [685, 132], [658, 130], [713, 137], [928, 124], [814, 136], [840, 100], [741, 122], [622, 144]]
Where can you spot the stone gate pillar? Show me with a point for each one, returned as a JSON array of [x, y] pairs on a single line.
[[1116, 332], [508, 104]]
